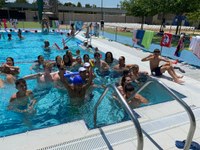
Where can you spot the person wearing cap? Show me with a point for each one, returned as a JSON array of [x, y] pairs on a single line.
[[77, 90], [83, 73]]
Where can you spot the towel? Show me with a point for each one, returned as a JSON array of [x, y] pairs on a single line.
[[134, 39], [139, 35], [166, 40], [196, 46], [148, 36]]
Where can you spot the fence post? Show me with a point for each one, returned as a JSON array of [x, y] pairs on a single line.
[[116, 34]]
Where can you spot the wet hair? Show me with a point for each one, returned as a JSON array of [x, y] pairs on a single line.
[[18, 81], [86, 55], [106, 55], [78, 51], [11, 60], [66, 47], [9, 35], [135, 66], [46, 43], [123, 58], [126, 72], [156, 50], [57, 58], [97, 54], [129, 88], [39, 57]]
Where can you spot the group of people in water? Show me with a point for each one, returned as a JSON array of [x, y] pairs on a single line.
[[76, 75]]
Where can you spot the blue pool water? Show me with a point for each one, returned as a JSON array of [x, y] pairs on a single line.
[[53, 105]]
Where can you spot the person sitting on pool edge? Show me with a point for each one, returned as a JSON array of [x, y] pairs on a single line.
[[22, 101], [155, 59]]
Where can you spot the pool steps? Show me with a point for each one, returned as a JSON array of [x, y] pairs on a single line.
[[106, 137]]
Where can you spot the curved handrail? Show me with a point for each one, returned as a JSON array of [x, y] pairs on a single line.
[[129, 111], [180, 101], [189, 112]]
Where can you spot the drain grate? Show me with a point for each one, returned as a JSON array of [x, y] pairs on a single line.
[[125, 134]]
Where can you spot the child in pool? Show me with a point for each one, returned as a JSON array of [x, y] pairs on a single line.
[[22, 101]]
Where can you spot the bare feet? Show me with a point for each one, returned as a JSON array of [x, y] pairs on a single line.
[[179, 77], [179, 81]]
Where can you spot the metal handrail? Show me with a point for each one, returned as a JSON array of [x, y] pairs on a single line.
[[189, 112], [134, 119], [182, 103], [129, 111], [66, 40]]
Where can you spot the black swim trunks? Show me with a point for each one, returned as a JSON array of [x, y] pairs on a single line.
[[156, 71]]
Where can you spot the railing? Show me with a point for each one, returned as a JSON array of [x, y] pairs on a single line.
[[129, 111], [135, 120], [189, 112], [72, 36]]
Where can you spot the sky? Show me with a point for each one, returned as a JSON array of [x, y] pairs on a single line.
[[106, 3]]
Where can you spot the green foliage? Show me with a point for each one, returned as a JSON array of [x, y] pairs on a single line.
[[180, 7], [140, 8], [88, 6], [2, 3], [79, 4], [195, 16], [21, 1], [94, 6], [69, 4]]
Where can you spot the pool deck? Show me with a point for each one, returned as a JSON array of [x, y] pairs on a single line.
[[165, 122]]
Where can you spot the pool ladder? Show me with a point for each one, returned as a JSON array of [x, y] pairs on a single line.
[[139, 130]]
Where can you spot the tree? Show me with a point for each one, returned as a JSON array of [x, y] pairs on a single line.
[[79, 4], [2, 3], [69, 4], [140, 8], [163, 7], [181, 7], [88, 6], [194, 17], [21, 1], [94, 6]]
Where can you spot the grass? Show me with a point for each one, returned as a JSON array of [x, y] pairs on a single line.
[[26, 25], [156, 39]]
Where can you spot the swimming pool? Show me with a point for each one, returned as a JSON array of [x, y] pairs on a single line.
[[53, 105]]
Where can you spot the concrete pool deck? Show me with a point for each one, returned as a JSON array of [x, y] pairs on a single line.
[[165, 122]]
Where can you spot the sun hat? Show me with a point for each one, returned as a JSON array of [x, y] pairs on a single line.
[[81, 69], [86, 64]]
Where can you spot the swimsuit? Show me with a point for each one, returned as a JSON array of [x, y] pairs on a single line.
[[156, 71]]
